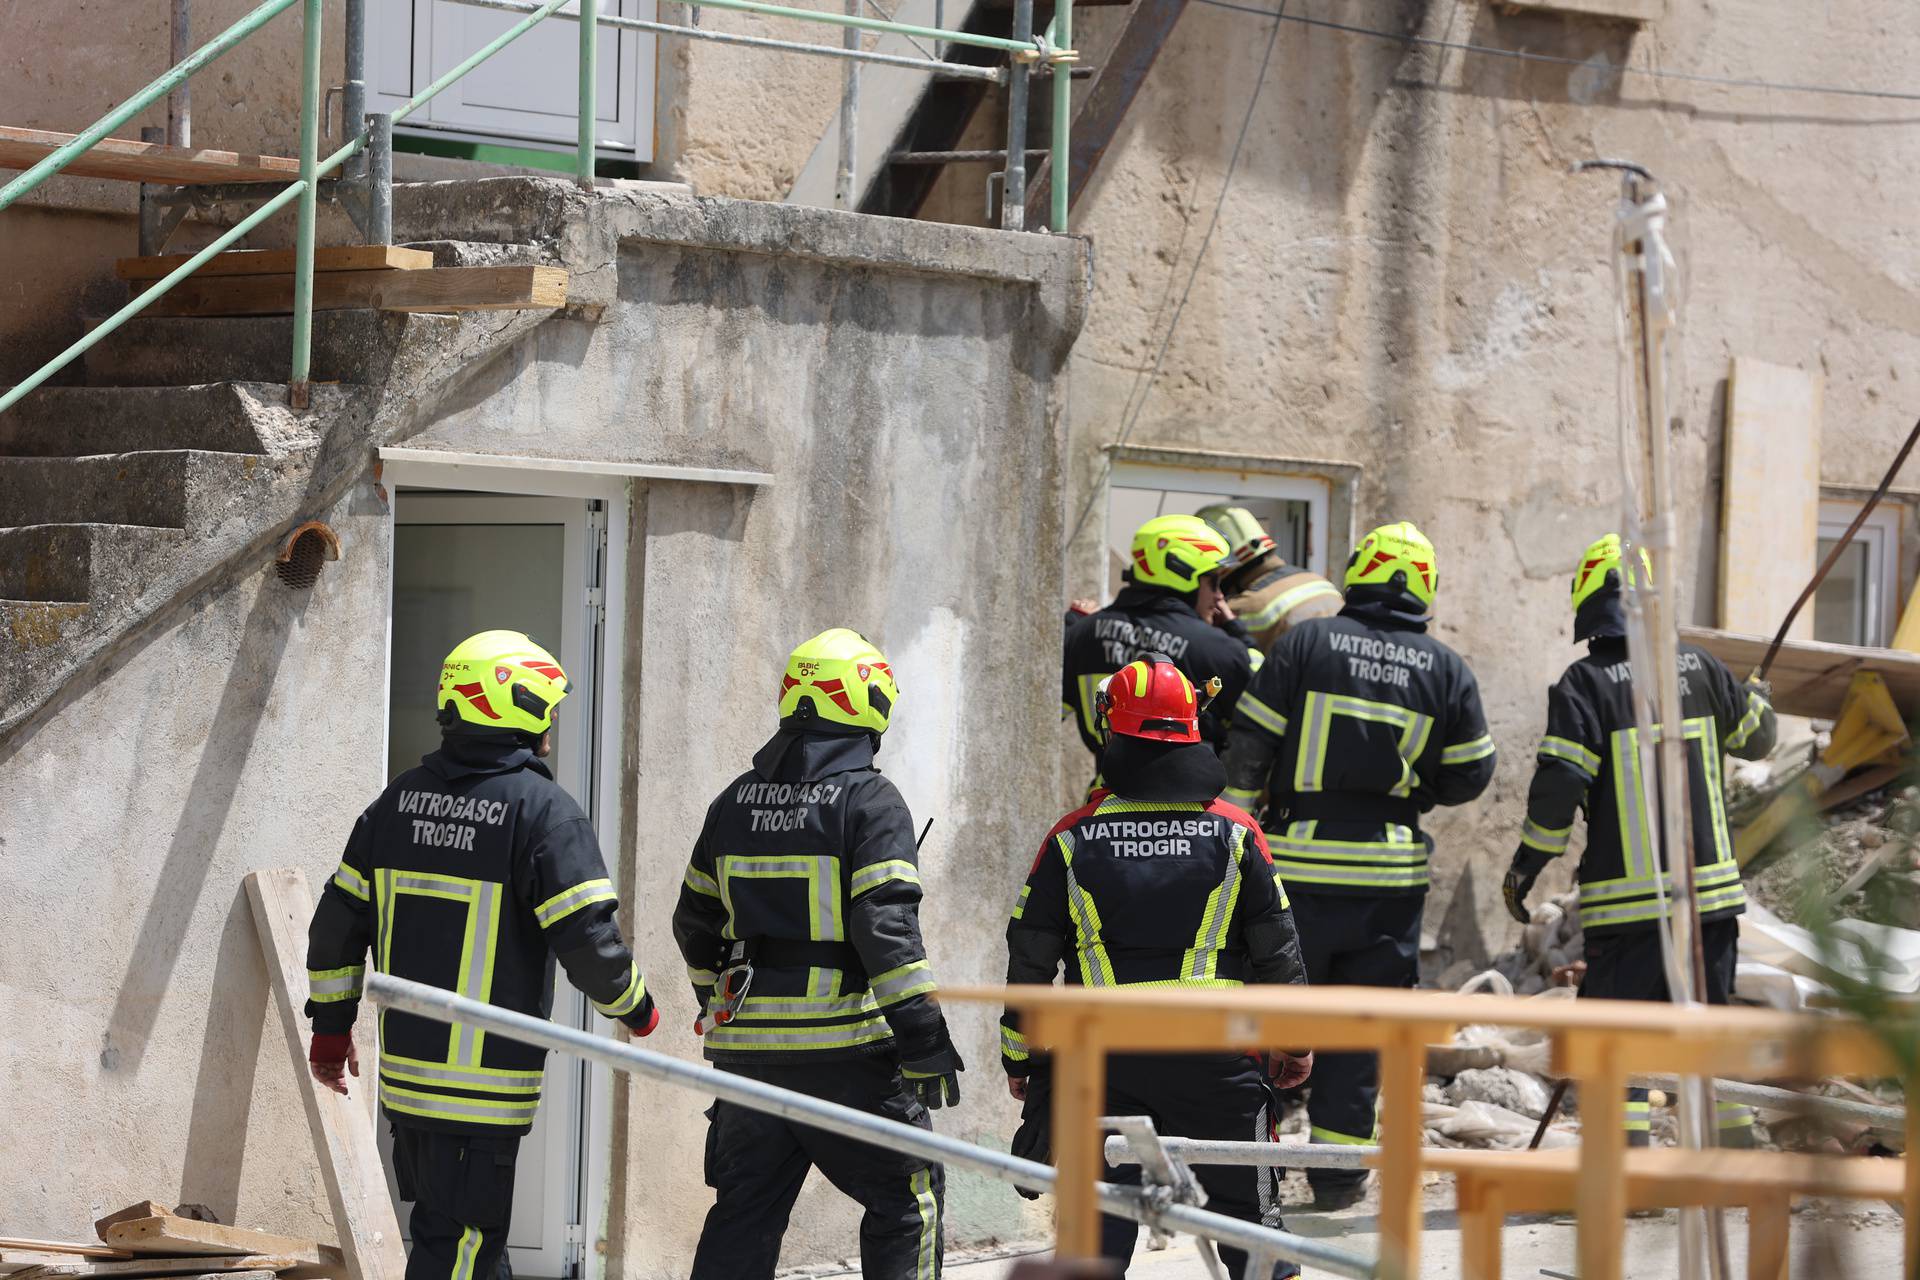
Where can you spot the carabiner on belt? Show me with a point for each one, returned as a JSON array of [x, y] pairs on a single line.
[[731, 992]]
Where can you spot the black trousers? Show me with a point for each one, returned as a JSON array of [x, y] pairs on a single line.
[[461, 1186], [757, 1162], [1217, 1097], [1627, 966], [1362, 942]]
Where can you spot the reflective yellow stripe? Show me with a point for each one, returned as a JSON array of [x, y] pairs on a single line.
[[465, 1253], [1545, 839], [1096, 966], [1202, 960], [1344, 1139], [1467, 752], [1020, 904], [927, 1257], [1321, 709], [1013, 1045], [1270, 613], [328, 986], [464, 1110], [879, 873], [1240, 799], [700, 882], [628, 1000], [1573, 753], [351, 881], [475, 1079], [909, 980], [740, 1036], [820, 871], [567, 901], [1260, 715], [1757, 709]]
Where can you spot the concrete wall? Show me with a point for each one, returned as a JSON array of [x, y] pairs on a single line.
[[143, 1051]]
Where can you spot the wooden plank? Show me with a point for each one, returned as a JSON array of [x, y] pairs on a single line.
[[16, 1260], [1600, 1185], [134, 1269], [1623, 10], [343, 1136], [185, 1237], [139, 1209], [1403, 1070], [1810, 678], [443, 289], [1482, 1220], [85, 1249], [128, 161], [272, 262], [1079, 1099], [1767, 1237], [1122, 72], [1769, 496]]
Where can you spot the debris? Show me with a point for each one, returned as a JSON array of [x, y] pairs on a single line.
[[1503, 1087]]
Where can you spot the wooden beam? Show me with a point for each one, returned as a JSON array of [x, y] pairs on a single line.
[[1079, 1099], [138, 1209], [185, 1237], [1403, 1071], [443, 289], [136, 1268], [11, 1243], [128, 161], [1770, 496], [343, 1136], [273, 262], [1148, 25], [1810, 678]]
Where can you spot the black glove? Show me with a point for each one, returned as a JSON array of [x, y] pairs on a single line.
[[1033, 1140], [1528, 863], [935, 1077]]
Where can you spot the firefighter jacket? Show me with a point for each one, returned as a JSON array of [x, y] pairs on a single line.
[[1129, 893], [1356, 726], [1590, 759], [471, 872], [1147, 620], [809, 858], [1280, 596]]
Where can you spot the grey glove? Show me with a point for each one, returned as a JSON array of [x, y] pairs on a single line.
[[935, 1077]]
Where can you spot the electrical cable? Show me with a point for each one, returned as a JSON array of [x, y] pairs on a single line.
[[1521, 55], [1173, 324]]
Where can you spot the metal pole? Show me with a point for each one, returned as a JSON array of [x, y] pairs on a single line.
[[380, 178], [444, 1006], [1262, 1155], [843, 178], [1013, 193], [589, 89], [299, 390], [353, 107], [1062, 38], [133, 106], [180, 100]]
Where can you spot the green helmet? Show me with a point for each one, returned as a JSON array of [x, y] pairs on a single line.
[[1176, 552], [1607, 564], [1396, 550]]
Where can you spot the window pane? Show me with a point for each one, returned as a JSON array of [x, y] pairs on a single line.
[[1840, 605]]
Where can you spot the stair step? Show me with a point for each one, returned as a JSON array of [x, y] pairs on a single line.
[[130, 161], [269, 262], [153, 488], [348, 346], [225, 417], [78, 563], [479, 253], [498, 288]]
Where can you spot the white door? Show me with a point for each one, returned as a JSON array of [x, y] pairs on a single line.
[[464, 563], [529, 91]]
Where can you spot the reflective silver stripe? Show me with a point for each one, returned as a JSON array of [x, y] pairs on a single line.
[[700, 882], [899, 984], [1259, 713], [628, 1000], [1545, 839], [821, 872], [872, 877], [859, 1004], [561, 905], [1573, 753], [702, 977], [1020, 904], [1013, 1044], [1203, 960], [1286, 602], [1086, 919], [413, 1068], [1467, 752], [1240, 799], [1316, 873], [734, 1035], [438, 1106], [335, 984], [1757, 709], [1306, 769], [351, 881], [1630, 803], [475, 983]]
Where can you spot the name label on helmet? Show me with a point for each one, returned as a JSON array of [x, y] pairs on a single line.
[[1124, 640]]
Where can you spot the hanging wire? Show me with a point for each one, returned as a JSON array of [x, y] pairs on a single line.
[[1518, 55]]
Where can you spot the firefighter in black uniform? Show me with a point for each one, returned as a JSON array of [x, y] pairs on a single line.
[[1159, 881], [800, 923], [1587, 761], [1168, 608], [1356, 726], [471, 872]]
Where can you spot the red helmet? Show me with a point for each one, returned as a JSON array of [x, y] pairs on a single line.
[[1150, 698]]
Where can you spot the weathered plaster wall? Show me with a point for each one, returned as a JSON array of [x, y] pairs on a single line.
[[903, 415], [1404, 275], [141, 1045]]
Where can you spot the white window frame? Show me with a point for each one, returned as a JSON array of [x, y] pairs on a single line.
[[1880, 535]]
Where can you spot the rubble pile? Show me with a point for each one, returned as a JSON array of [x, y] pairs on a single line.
[[1862, 865]]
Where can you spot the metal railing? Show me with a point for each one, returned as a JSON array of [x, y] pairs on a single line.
[[1140, 1205], [375, 130]]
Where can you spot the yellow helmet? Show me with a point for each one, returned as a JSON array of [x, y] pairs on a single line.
[[1176, 552], [501, 680], [1396, 549], [1246, 540], [1608, 556], [841, 677]]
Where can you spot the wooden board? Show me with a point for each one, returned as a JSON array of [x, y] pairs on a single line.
[[139, 1209], [185, 1237], [343, 1137], [271, 262], [1769, 496], [443, 289], [1810, 678], [86, 1269], [129, 161], [84, 1249], [1624, 10]]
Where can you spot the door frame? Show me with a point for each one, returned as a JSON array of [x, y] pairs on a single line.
[[606, 694]]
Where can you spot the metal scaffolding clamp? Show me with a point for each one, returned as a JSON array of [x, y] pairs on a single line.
[[1166, 1181]]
